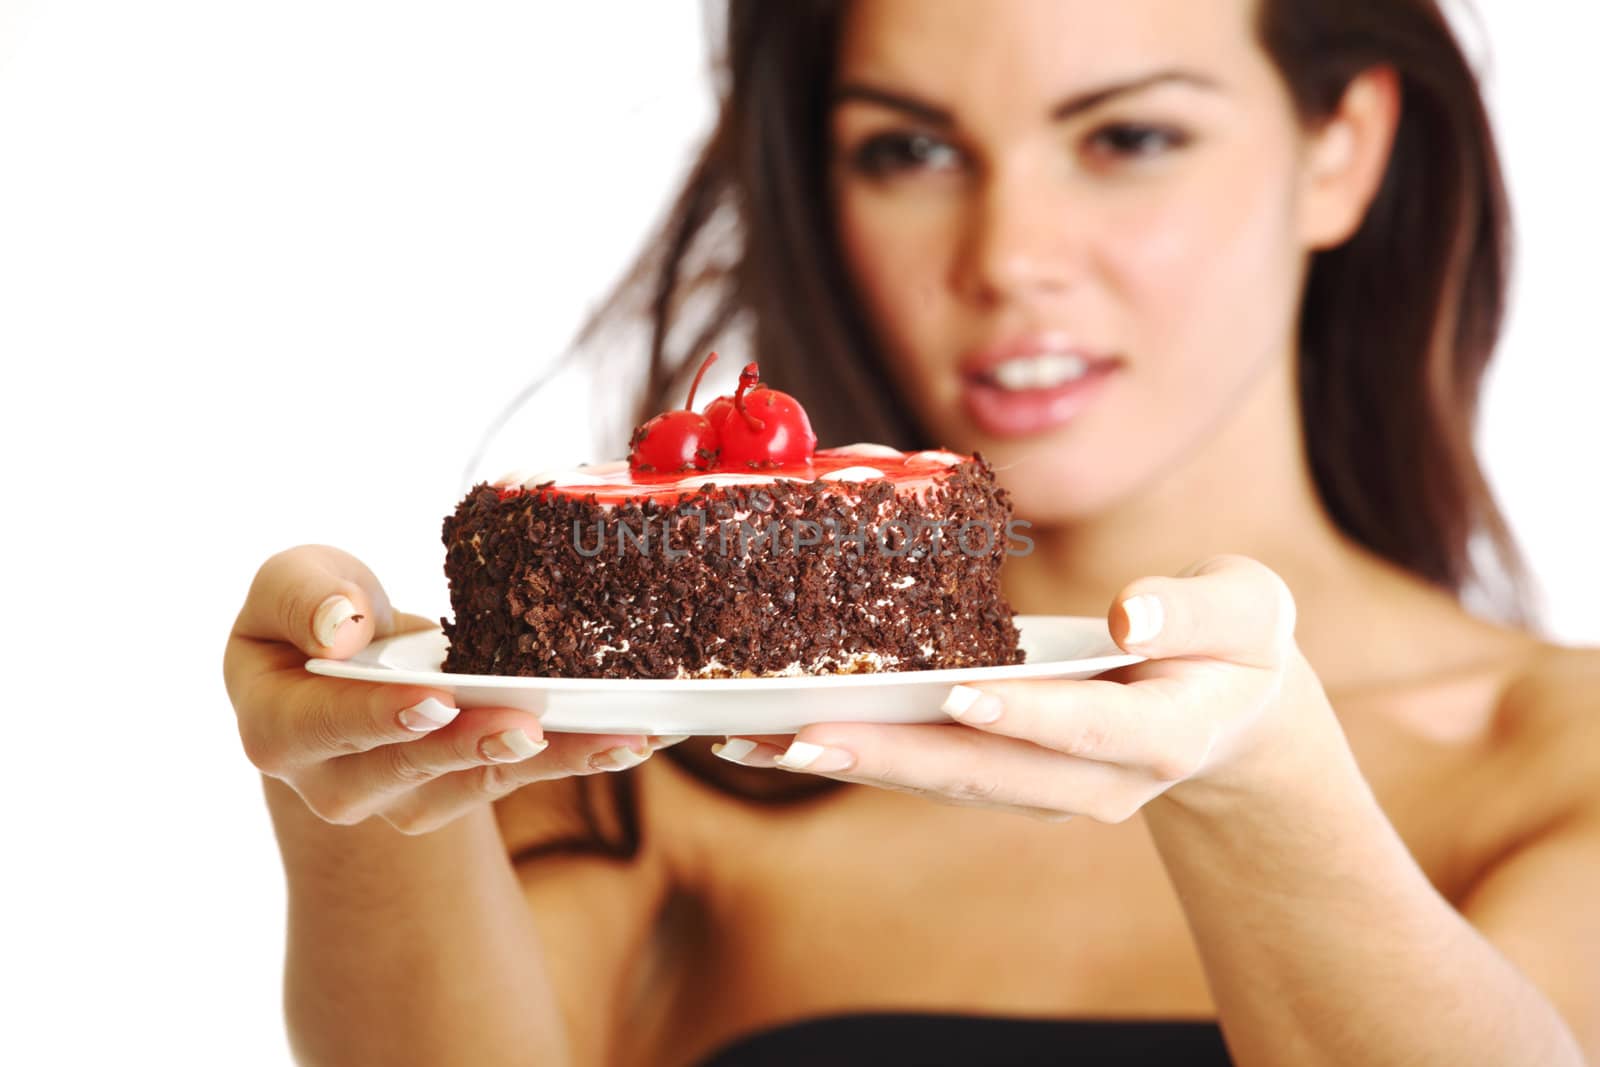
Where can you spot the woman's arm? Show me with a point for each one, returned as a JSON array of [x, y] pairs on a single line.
[[414, 949], [1324, 942], [411, 939]]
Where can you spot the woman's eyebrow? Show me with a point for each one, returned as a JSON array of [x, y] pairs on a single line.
[[1065, 109]]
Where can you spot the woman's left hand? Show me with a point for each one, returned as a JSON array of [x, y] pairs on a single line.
[[1225, 700]]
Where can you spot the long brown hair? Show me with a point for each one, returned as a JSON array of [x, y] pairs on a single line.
[[1397, 327]]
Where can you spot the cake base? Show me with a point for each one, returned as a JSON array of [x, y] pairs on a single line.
[[787, 578]]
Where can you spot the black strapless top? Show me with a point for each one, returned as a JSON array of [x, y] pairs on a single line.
[[884, 1039]]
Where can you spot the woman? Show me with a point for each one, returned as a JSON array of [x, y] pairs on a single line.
[[1334, 818]]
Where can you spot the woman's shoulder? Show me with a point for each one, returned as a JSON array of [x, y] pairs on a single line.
[[1556, 688], [1550, 715], [1539, 696]]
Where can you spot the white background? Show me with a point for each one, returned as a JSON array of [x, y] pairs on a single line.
[[267, 270]]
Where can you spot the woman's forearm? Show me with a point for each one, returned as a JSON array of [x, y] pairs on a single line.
[[409, 949], [1324, 942]]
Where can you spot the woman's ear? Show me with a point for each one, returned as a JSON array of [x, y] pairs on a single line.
[[1346, 158]]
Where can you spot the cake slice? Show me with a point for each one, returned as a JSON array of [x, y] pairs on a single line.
[[765, 557]]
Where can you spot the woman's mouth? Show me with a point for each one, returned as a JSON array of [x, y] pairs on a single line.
[[1028, 394]]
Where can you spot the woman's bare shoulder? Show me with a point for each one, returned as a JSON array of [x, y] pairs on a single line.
[[1550, 712], [1557, 688]]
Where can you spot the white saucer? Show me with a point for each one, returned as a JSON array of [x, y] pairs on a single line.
[[1058, 646]]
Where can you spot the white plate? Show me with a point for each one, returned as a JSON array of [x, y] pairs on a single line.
[[1058, 646]]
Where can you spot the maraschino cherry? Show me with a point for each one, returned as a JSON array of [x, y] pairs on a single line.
[[675, 441], [760, 427]]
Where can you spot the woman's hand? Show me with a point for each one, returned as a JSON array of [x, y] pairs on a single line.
[[1225, 703], [353, 750]]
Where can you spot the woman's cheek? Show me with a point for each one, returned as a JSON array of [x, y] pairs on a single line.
[[895, 255], [1202, 274]]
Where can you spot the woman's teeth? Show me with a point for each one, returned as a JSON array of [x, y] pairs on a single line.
[[1047, 371]]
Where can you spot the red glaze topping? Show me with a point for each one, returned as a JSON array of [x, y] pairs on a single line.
[[613, 483], [757, 436]]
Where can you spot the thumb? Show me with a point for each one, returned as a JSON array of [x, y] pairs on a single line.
[[1226, 607], [323, 601]]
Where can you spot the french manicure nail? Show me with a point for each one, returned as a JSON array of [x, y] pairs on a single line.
[[971, 705], [511, 746], [734, 749], [617, 759], [428, 715], [667, 741], [332, 614], [804, 756], [1145, 616]]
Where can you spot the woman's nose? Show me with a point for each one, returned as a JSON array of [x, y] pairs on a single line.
[[1018, 243]]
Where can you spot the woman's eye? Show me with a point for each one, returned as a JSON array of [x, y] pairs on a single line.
[[1132, 141], [889, 154]]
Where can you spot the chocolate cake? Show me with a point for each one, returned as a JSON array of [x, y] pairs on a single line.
[[865, 559], [728, 546]]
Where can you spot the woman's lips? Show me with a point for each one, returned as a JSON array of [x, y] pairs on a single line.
[[1001, 412]]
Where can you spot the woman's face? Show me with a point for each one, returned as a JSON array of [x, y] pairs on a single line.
[[1029, 188]]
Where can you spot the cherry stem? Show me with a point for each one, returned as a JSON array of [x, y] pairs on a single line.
[[747, 378], [688, 405]]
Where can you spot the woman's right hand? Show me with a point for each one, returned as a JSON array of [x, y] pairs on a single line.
[[353, 750]]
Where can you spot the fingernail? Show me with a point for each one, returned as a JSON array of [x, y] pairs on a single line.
[[511, 746], [971, 705], [428, 715], [734, 749], [1145, 616], [667, 741], [804, 756], [617, 759], [332, 614]]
